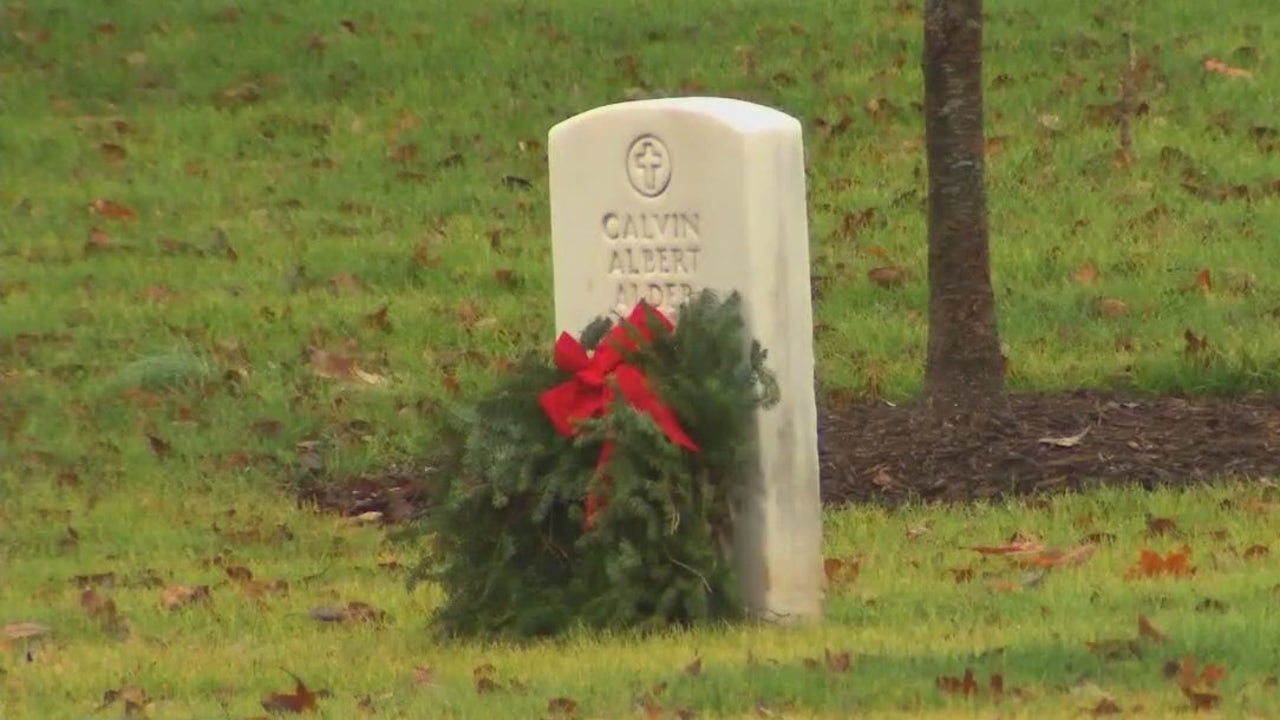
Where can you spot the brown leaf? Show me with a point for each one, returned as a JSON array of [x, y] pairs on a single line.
[[404, 153], [97, 241], [451, 385], [1204, 281], [506, 278], [841, 571], [1256, 551], [158, 293], [102, 610], [299, 701], [997, 687], [113, 153], [24, 630], [693, 668], [1085, 274], [1105, 706], [1157, 526], [178, 596], [1110, 307], [1150, 564], [111, 210], [345, 282], [838, 662], [1197, 346], [158, 445], [1016, 547], [1118, 649], [335, 366], [486, 685], [1060, 558], [562, 706], [424, 675], [1148, 631], [889, 276], [1214, 65], [959, 685], [378, 320]]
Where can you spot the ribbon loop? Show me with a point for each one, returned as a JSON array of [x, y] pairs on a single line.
[[589, 392]]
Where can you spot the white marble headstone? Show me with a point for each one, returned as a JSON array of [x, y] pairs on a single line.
[[658, 199]]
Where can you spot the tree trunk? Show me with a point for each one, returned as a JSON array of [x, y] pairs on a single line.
[[965, 367]]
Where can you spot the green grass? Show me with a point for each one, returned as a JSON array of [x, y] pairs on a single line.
[[157, 371]]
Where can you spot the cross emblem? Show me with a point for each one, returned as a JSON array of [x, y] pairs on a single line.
[[648, 165], [649, 160]]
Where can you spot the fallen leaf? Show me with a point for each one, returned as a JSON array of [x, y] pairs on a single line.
[[1085, 274], [996, 684], [102, 610], [965, 685], [1118, 649], [1012, 548], [841, 571], [1105, 706], [1148, 631], [890, 276], [694, 667], [111, 210], [335, 366], [1060, 558], [1110, 307], [98, 240], [404, 153], [178, 596], [345, 282], [378, 320], [506, 278], [1150, 564], [158, 445], [1204, 281], [562, 706], [299, 701], [423, 675], [1157, 526], [1197, 346], [1214, 65], [1256, 551], [838, 662], [482, 675], [24, 630], [113, 153]]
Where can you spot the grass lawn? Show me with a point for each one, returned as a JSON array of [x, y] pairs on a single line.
[[238, 241]]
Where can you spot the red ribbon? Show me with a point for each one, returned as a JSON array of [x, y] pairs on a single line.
[[589, 392]]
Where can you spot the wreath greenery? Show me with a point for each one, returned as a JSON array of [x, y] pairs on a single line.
[[511, 543]]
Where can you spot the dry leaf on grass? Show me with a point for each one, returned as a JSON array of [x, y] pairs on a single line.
[[335, 366], [179, 596], [1151, 565], [1214, 65], [300, 700]]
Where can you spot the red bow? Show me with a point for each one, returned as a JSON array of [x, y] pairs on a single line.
[[589, 392]]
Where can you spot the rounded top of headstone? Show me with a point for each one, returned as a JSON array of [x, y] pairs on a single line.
[[739, 115]]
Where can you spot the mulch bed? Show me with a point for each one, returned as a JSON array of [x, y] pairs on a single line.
[[884, 454]]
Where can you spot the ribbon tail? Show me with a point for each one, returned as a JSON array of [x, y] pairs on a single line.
[[635, 388]]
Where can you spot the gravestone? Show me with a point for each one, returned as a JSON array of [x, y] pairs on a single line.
[[658, 199]]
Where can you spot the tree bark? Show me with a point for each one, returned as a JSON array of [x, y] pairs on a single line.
[[965, 368]]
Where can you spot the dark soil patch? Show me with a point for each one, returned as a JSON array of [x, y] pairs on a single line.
[[884, 454]]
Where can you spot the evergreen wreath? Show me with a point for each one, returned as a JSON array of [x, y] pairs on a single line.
[[595, 491]]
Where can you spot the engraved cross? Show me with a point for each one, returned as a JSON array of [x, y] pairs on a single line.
[[649, 160]]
